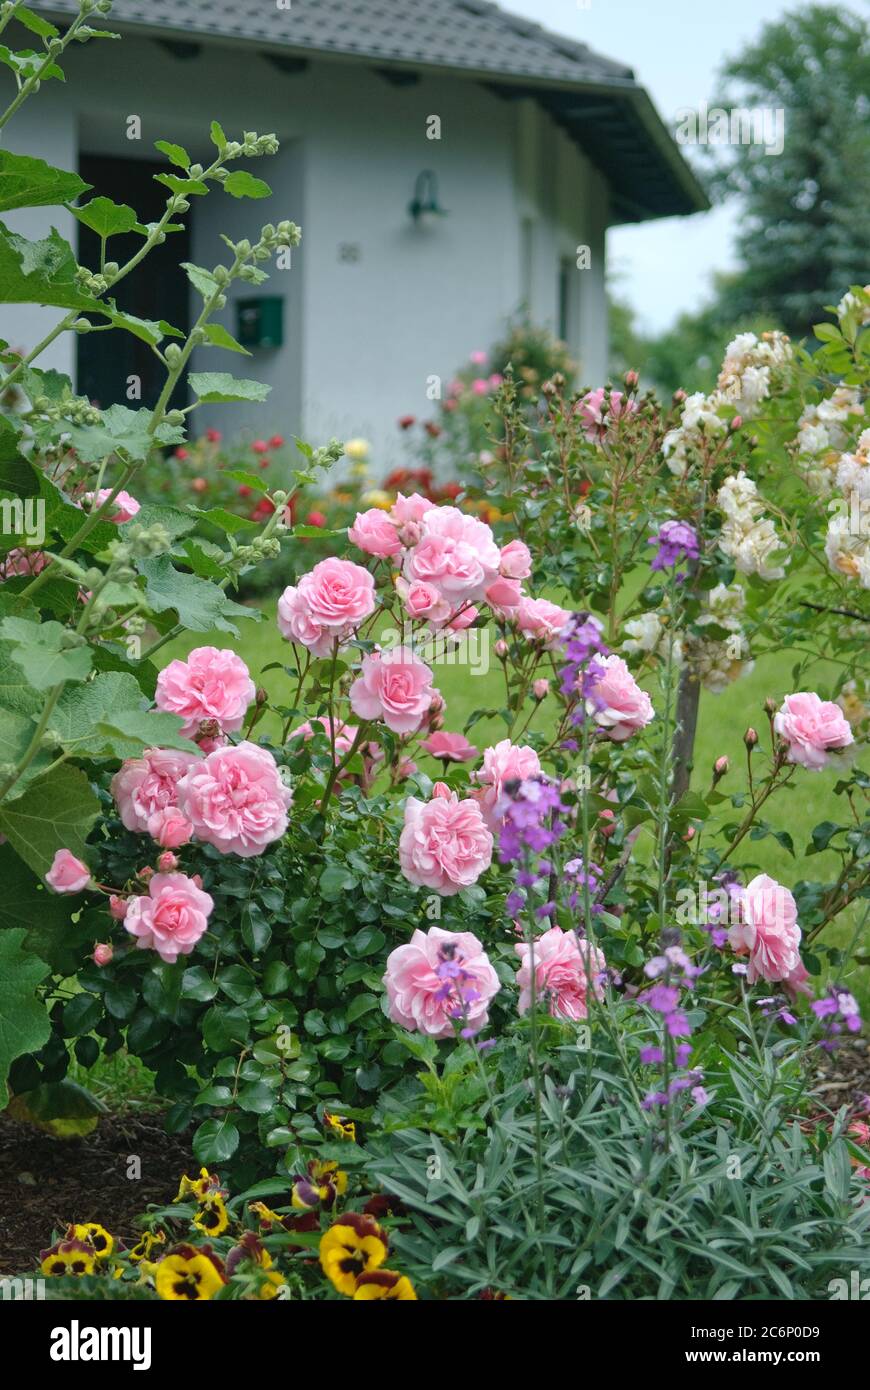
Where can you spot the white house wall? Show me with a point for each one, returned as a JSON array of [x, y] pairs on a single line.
[[364, 336]]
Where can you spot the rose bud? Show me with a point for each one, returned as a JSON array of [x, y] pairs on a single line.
[[541, 688], [117, 908], [770, 707], [167, 862], [609, 825], [500, 648], [750, 738], [103, 953], [631, 379], [720, 767], [737, 422]]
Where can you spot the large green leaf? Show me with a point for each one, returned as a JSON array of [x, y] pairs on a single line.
[[105, 217], [82, 708], [121, 428], [40, 650], [57, 811], [40, 272], [16, 732], [215, 387], [201, 606], [241, 184], [127, 732], [24, 1023], [31, 183]]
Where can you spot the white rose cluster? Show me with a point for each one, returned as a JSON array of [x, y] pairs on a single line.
[[823, 432], [745, 380], [748, 537], [648, 634], [847, 544], [716, 662]]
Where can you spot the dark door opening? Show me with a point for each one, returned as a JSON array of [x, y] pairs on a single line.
[[156, 289]]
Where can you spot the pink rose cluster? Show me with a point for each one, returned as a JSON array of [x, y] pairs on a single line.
[[616, 702], [445, 843], [565, 970], [423, 1000], [327, 606], [767, 932], [812, 728], [600, 408], [235, 799], [503, 763], [171, 917], [146, 795], [212, 685]]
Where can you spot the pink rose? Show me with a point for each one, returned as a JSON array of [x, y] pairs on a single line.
[[103, 953], [67, 874], [211, 684], [812, 728], [767, 930], [416, 991], [144, 786], [504, 595], [617, 703], [505, 762], [423, 600], [445, 843], [171, 919], [463, 618], [235, 800], [564, 969], [375, 533], [125, 506], [170, 828], [20, 561], [327, 605], [540, 619], [395, 686], [410, 509], [515, 560], [450, 748], [456, 552]]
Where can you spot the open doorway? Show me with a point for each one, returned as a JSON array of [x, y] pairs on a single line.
[[156, 289]]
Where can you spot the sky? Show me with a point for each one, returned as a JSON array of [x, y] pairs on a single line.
[[675, 48]]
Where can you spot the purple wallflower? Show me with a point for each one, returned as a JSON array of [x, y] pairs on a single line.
[[676, 541]]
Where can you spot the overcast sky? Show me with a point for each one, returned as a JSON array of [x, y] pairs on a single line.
[[675, 48]]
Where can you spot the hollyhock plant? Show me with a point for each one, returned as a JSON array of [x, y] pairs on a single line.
[[766, 930], [327, 606], [416, 990], [171, 918], [445, 843], [616, 702], [235, 799], [503, 763], [147, 785], [565, 971], [812, 728], [212, 684], [67, 873], [395, 686]]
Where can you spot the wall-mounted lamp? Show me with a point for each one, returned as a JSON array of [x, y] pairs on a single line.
[[424, 205]]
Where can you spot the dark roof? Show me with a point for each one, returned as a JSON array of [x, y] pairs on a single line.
[[596, 100]]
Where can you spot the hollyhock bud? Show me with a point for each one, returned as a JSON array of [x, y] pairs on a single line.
[[103, 953], [167, 862], [117, 908], [541, 688], [750, 738]]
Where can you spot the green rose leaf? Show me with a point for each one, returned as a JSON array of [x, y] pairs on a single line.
[[24, 1024], [215, 1141], [31, 183], [217, 387]]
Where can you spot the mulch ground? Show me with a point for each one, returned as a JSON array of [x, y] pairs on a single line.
[[843, 1077], [46, 1183]]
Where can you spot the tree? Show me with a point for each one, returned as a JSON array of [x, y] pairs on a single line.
[[804, 238]]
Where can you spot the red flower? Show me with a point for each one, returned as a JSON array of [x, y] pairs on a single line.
[[406, 421], [315, 519], [277, 441], [260, 446], [263, 509], [432, 429], [182, 454], [213, 436]]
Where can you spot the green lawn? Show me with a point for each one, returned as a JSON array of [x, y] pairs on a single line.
[[721, 725]]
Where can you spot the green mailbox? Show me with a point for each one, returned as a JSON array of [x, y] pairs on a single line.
[[260, 321]]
